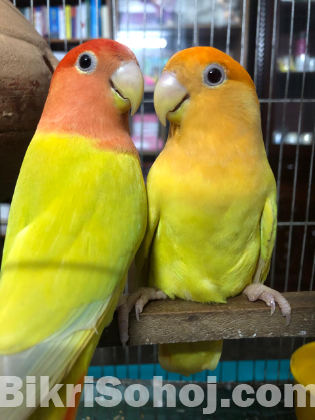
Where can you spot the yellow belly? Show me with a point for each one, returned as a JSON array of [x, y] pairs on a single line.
[[207, 242]]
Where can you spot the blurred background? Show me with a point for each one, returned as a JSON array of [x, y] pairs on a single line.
[[275, 41]]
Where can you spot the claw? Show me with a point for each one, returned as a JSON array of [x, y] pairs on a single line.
[[288, 319], [139, 306], [273, 307], [271, 297], [138, 312], [123, 324], [138, 300]]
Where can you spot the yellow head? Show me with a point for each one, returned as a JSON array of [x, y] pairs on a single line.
[[206, 86]]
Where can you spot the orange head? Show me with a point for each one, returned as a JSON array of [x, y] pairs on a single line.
[[206, 86], [92, 90]]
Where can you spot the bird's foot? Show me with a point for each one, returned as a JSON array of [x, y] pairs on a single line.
[[271, 297], [138, 300]]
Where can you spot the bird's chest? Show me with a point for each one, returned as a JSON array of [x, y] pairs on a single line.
[[213, 190]]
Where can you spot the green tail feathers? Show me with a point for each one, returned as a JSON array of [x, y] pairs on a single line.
[[190, 358]]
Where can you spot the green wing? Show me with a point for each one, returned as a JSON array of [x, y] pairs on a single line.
[[268, 228], [143, 254], [77, 219]]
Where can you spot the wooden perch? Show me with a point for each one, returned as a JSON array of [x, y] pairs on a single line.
[[176, 321]]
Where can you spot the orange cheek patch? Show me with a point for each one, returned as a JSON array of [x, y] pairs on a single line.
[[82, 104]]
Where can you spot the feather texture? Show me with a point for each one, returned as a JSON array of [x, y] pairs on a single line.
[[72, 235], [211, 196]]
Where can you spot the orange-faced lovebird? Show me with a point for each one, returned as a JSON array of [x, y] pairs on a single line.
[[211, 196], [78, 216]]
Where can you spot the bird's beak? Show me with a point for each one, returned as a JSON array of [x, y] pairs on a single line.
[[127, 86], [170, 97]]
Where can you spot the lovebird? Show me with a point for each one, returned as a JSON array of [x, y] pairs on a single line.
[[77, 218], [212, 211]]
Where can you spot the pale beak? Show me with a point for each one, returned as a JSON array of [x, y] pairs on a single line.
[[169, 95], [127, 84]]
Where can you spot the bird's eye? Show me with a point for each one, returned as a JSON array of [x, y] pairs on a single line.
[[87, 62], [214, 75]]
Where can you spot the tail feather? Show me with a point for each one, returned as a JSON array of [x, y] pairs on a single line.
[[190, 358], [64, 359], [72, 411], [76, 377]]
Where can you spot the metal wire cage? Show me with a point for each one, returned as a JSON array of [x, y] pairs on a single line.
[[275, 41]]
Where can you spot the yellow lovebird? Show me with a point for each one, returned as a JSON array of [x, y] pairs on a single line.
[[211, 196], [78, 216]]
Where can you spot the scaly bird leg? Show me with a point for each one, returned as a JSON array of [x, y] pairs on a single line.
[[271, 297], [138, 300]]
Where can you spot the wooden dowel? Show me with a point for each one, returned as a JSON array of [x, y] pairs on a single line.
[[174, 321]]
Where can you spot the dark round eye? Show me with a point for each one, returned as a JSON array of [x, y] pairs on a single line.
[[214, 75], [87, 62]]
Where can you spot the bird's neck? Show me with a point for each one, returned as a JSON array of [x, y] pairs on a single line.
[[96, 119], [220, 128], [224, 141]]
